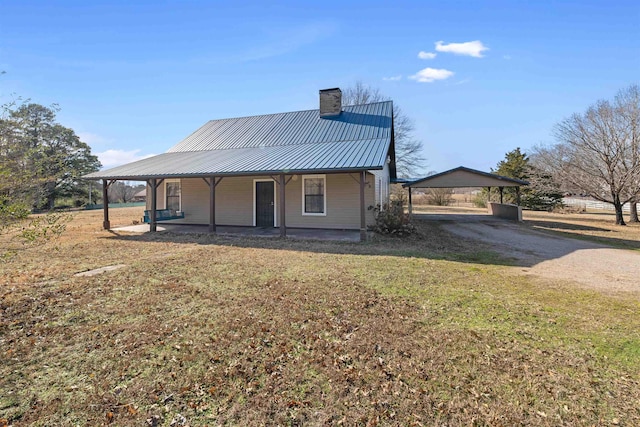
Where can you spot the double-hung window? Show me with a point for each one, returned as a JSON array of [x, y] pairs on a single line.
[[172, 192], [314, 200]]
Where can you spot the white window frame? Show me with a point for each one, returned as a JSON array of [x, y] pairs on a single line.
[[275, 200], [324, 178], [166, 181]]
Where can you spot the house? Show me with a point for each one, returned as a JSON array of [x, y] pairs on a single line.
[[321, 168], [140, 196]]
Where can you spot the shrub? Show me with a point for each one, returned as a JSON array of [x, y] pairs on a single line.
[[440, 196], [480, 201], [392, 220]]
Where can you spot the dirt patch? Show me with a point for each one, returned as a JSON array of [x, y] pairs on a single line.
[[589, 264]]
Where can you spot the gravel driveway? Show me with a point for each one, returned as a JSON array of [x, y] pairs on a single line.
[[547, 255]]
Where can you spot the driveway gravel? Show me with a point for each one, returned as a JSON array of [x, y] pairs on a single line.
[[550, 256]]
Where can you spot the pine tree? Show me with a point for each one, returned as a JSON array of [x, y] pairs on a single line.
[[542, 193]]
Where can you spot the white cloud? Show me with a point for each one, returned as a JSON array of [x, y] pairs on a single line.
[[426, 55], [428, 75], [112, 158], [474, 48], [393, 78], [507, 57]]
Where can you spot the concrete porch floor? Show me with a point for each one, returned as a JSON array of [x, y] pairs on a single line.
[[225, 230]]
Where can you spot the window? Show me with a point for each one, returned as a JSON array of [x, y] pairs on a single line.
[[172, 192], [314, 201]]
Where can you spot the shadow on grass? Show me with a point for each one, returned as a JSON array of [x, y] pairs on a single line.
[[565, 226], [431, 242], [573, 231], [491, 241]]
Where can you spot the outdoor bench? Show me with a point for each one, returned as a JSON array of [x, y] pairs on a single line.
[[163, 215]]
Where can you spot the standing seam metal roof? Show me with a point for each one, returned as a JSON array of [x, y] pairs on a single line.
[[357, 139], [356, 122]]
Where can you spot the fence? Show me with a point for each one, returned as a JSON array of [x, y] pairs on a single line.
[[592, 204], [115, 205]]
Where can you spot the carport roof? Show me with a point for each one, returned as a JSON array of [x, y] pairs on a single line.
[[464, 177]]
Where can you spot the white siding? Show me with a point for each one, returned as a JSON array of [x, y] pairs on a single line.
[[382, 183]]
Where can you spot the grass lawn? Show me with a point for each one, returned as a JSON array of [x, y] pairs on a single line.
[[212, 330]]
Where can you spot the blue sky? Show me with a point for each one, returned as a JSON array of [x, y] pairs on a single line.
[[134, 78]]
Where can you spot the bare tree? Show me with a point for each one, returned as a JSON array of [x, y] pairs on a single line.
[[628, 104], [597, 151], [123, 192], [440, 196], [409, 160]]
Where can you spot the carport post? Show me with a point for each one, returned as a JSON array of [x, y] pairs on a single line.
[[488, 195], [105, 205], [518, 195], [501, 191], [410, 203]]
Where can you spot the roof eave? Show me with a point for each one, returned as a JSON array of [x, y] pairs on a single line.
[[232, 174]]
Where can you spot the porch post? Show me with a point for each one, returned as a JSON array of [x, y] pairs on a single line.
[[212, 205], [518, 195], [410, 203], [363, 221], [283, 223], [154, 205], [501, 191], [105, 205]]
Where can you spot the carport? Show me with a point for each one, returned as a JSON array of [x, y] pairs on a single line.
[[461, 177]]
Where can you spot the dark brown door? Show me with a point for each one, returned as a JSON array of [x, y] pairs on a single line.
[[264, 204]]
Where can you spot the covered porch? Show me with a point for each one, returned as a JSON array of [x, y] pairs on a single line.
[[235, 204]]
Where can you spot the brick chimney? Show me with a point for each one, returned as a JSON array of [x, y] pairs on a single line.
[[330, 102]]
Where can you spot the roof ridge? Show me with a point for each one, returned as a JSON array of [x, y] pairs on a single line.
[[295, 111]]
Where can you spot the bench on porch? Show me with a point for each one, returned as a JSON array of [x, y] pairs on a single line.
[[163, 215]]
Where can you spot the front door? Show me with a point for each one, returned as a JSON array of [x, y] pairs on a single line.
[[264, 203]]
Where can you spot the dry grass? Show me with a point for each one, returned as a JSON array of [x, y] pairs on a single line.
[[201, 330]]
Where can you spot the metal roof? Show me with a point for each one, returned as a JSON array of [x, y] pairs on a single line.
[[465, 177], [357, 139]]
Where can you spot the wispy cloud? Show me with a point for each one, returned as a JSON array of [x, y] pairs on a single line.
[[474, 48], [507, 57], [461, 82], [426, 55], [392, 78], [283, 42], [112, 158], [429, 75]]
